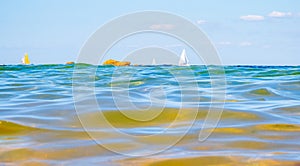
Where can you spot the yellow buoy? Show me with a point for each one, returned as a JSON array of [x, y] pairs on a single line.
[[69, 63]]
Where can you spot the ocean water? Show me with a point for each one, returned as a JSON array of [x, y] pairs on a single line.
[[148, 115]]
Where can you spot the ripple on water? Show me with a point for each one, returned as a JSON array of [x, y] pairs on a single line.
[[40, 126]]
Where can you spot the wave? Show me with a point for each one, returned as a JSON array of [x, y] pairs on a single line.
[[39, 122]]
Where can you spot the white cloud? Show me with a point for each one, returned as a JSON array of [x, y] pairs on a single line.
[[200, 22], [245, 44], [266, 46], [162, 26], [280, 14], [252, 18]]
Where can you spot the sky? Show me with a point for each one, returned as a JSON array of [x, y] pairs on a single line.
[[243, 32]]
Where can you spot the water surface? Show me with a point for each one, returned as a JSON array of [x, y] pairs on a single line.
[[260, 124]]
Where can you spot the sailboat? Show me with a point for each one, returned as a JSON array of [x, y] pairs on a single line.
[[153, 61], [25, 59], [183, 61]]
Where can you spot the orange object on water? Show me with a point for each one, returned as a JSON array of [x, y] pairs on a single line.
[[116, 63]]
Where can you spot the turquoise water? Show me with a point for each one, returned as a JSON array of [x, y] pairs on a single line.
[[39, 125]]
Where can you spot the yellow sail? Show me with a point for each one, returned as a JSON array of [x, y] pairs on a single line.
[[26, 60]]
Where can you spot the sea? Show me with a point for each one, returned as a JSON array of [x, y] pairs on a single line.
[[82, 114]]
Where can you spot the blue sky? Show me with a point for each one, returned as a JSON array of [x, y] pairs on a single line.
[[244, 32]]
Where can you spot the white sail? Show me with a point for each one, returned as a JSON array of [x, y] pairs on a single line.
[[183, 61], [153, 61], [23, 60]]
